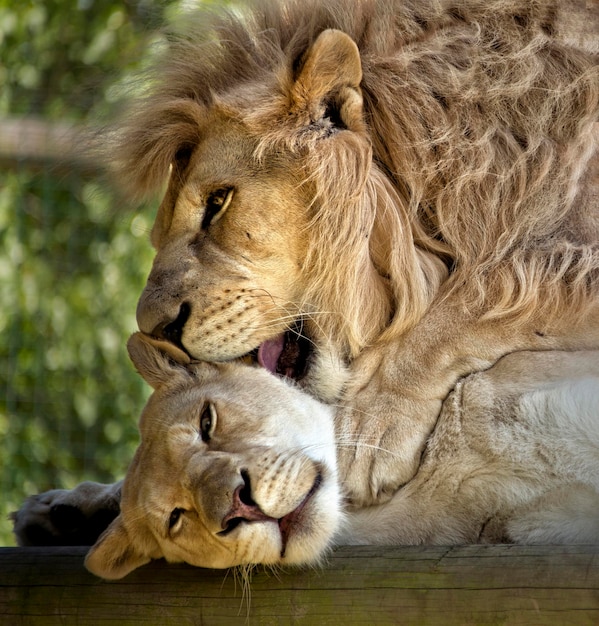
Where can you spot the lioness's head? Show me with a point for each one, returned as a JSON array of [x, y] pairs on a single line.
[[234, 467]]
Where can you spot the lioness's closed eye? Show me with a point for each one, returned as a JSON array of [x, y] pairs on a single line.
[[236, 466]]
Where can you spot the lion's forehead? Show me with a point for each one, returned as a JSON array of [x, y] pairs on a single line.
[[225, 148]]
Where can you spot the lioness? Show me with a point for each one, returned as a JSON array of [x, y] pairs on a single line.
[[236, 466]]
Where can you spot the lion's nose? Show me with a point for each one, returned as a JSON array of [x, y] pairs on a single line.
[[173, 330]]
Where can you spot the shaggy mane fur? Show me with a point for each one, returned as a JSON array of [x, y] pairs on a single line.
[[476, 162]]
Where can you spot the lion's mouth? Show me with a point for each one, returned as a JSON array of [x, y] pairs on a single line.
[[286, 355]]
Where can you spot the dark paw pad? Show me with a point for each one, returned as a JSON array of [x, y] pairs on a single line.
[[67, 526]]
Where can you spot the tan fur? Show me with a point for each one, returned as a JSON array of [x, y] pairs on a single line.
[[514, 458], [271, 439], [415, 182]]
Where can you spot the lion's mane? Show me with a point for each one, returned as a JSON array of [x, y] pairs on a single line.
[[474, 164]]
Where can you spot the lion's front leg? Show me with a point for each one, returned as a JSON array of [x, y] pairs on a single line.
[[62, 517], [398, 389], [395, 397], [381, 436]]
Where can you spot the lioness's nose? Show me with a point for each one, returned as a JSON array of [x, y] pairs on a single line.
[[244, 508]]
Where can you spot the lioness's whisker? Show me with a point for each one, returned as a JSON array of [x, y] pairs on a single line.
[[243, 574]]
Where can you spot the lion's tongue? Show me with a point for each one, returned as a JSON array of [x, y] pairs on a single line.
[[269, 353]]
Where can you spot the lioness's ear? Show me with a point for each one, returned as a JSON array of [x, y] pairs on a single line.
[[159, 362], [114, 555], [328, 84]]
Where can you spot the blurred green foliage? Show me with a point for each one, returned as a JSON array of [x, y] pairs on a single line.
[[70, 274], [60, 58], [73, 260]]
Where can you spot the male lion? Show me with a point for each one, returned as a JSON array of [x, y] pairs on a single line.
[[375, 198], [238, 467]]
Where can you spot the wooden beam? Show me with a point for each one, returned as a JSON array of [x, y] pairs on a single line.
[[478, 585], [37, 143]]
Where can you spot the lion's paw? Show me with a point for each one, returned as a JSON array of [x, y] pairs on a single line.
[[377, 456], [64, 517], [369, 479]]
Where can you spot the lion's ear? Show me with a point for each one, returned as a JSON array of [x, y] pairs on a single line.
[[114, 555], [328, 83], [159, 362]]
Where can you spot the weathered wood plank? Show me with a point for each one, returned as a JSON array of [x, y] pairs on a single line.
[[35, 142], [479, 585]]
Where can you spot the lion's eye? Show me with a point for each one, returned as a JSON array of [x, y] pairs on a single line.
[[175, 518], [207, 421], [216, 204]]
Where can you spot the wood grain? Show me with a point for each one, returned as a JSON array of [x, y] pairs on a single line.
[[476, 585]]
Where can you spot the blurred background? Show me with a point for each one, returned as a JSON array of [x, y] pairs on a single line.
[[73, 256]]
